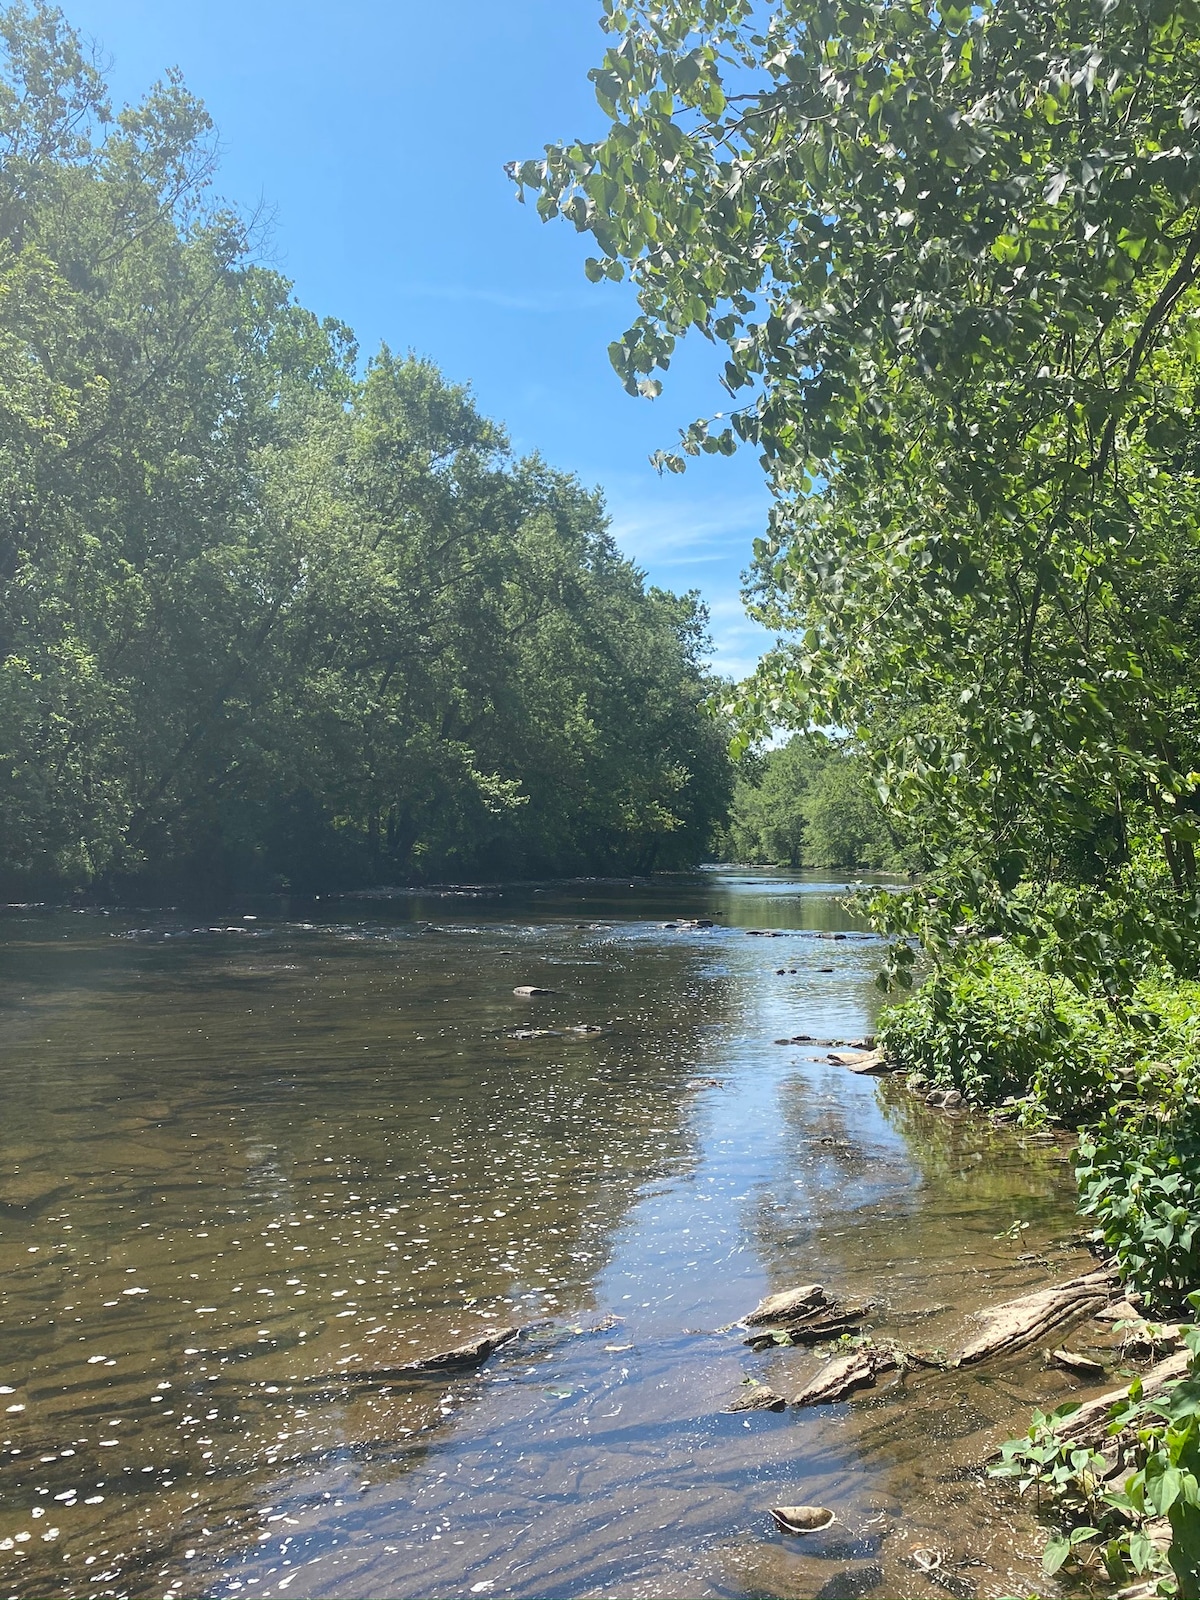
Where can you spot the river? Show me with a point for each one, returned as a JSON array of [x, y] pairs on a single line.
[[247, 1161]]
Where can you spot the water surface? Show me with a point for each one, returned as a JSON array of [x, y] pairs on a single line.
[[250, 1166]]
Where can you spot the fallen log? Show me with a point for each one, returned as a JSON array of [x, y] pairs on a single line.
[[844, 1374], [1016, 1323]]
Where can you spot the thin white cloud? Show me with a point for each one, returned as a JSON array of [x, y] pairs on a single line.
[[737, 647], [697, 527], [697, 532]]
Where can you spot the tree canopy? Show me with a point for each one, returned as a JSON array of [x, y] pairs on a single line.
[[950, 255], [268, 617], [811, 803]]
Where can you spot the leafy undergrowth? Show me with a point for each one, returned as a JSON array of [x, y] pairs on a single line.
[[1128, 1078], [1111, 1501]]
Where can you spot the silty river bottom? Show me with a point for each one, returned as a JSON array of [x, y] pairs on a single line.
[[248, 1162]]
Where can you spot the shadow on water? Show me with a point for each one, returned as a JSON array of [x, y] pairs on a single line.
[[245, 1163]]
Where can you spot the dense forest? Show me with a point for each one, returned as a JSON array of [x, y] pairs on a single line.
[[949, 256], [812, 802], [270, 616]]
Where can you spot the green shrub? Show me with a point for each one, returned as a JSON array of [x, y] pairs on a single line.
[[995, 1027], [1139, 1176], [1102, 1519]]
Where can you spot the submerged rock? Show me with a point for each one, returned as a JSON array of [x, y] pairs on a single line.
[[924, 1558], [802, 1519], [25, 1191], [1072, 1361]]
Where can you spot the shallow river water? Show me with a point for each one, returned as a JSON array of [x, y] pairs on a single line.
[[249, 1168]]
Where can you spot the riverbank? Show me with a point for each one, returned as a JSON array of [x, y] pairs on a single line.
[[997, 1033]]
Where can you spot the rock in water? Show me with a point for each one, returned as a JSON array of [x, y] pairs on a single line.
[[1072, 1361], [859, 1061], [1019, 1322], [802, 1519], [1089, 1424], [1119, 1311], [788, 1305], [760, 1398], [473, 1354], [844, 1374]]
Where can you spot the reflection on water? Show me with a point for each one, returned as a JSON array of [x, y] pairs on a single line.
[[248, 1170]]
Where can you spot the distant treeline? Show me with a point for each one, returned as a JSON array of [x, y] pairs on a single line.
[[812, 802], [266, 620]]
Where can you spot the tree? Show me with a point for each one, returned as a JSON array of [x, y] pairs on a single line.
[[268, 618], [951, 253], [810, 803]]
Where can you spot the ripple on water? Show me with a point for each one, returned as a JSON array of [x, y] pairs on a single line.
[[247, 1172]]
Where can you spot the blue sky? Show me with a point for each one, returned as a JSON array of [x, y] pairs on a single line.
[[374, 135]]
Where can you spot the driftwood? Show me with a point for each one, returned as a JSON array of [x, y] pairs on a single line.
[[844, 1374], [1017, 1323]]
